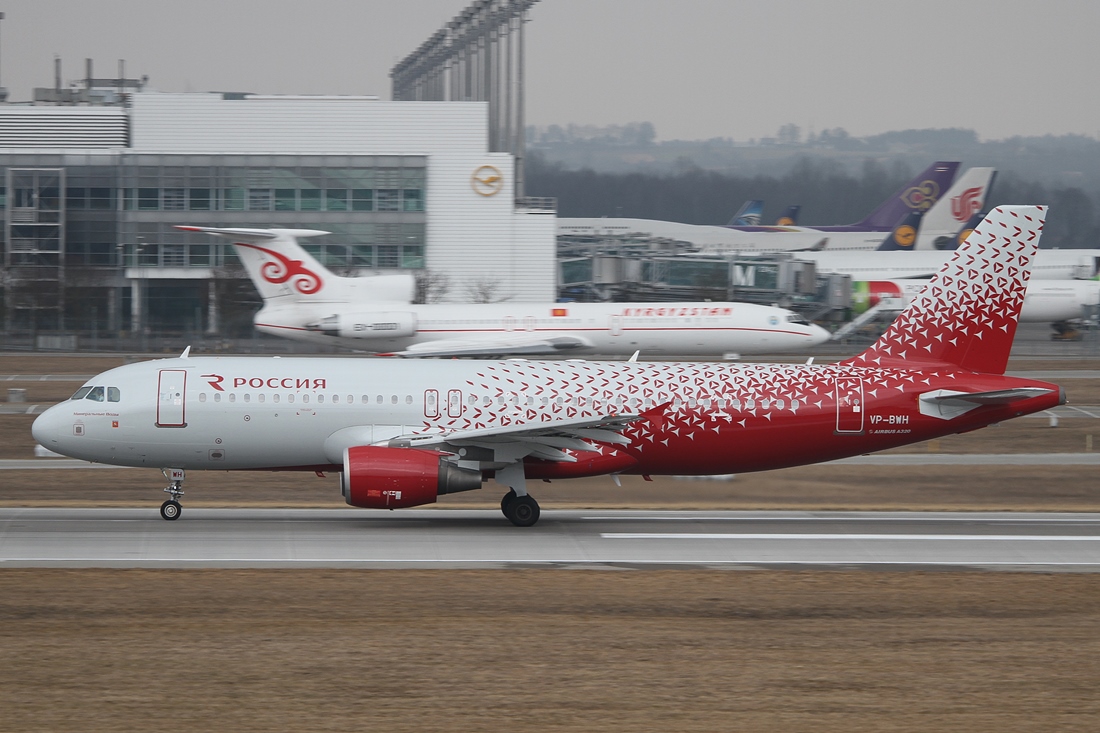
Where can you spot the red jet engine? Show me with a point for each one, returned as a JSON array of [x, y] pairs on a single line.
[[395, 478]]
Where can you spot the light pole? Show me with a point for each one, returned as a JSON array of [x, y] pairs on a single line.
[[3, 90]]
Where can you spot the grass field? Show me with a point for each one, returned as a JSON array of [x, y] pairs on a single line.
[[560, 650]]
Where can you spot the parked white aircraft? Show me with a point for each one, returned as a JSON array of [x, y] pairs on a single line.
[[944, 215], [1050, 264], [403, 433], [1045, 301], [305, 301]]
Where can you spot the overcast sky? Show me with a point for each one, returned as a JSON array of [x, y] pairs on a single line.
[[694, 68]]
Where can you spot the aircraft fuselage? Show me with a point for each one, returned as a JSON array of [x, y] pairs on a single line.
[[696, 418]]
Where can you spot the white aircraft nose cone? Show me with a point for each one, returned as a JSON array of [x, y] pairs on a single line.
[[45, 428], [819, 335]]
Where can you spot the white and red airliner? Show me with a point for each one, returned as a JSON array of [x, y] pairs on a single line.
[[305, 301], [401, 433]]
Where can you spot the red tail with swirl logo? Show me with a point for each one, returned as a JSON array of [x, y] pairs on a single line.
[[967, 314]]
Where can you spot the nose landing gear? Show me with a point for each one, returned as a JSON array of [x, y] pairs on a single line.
[[171, 509]]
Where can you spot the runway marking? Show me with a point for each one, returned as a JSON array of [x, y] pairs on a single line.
[[907, 537], [974, 520], [571, 561]]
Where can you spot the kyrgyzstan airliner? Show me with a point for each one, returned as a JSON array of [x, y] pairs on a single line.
[[402, 433], [306, 302]]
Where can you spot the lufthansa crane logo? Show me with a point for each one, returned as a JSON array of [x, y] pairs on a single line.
[[905, 235], [487, 180]]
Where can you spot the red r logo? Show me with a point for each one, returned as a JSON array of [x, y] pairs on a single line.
[[215, 381]]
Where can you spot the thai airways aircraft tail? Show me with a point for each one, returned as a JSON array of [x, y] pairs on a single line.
[[920, 194], [967, 314], [962, 201], [789, 218], [904, 235], [285, 272], [748, 215]]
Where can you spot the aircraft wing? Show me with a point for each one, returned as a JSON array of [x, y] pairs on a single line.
[[519, 342], [546, 440]]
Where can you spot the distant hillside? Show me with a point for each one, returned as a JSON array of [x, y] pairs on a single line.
[[621, 171]]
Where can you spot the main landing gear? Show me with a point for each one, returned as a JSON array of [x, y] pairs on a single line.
[[171, 509], [519, 507]]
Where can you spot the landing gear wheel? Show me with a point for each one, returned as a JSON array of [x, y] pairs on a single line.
[[506, 500], [523, 511], [171, 510]]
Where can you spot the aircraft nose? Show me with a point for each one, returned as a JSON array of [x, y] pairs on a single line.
[[46, 428], [819, 335]]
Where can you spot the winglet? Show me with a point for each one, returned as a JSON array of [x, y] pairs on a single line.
[[634, 356], [186, 352]]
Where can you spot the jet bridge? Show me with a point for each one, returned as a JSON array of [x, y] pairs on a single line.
[[634, 268]]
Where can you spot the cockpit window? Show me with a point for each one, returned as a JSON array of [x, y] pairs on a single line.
[[95, 395], [795, 318], [80, 393], [113, 394]]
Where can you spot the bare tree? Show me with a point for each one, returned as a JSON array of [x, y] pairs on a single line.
[[431, 286], [484, 290]]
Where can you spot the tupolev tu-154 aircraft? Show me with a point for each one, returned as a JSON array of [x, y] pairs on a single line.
[[402, 433], [306, 302]]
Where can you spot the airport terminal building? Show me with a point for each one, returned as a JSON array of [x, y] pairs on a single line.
[[92, 194]]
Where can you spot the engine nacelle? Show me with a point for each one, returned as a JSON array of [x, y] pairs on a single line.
[[370, 325], [394, 478]]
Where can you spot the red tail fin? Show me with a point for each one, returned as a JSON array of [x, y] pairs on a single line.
[[967, 313]]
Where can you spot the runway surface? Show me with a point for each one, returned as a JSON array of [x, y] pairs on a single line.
[[128, 538]]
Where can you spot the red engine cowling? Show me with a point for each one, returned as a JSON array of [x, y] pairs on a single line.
[[394, 478]]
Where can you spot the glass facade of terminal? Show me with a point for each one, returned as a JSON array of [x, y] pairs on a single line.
[[74, 222]]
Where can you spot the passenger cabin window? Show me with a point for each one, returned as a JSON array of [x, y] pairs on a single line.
[[113, 394], [81, 393], [96, 395]]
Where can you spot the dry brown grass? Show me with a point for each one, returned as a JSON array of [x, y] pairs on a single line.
[[526, 650]]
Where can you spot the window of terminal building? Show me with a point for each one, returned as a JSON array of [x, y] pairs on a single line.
[[336, 199], [387, 199], [259, 199], [412, 199], [388, 255], [175, 199], [76, 199], [233, 199], [412, 257], [310, 199], [148, 199], [362, 199], [362, 255], [286, 199], [199, 199], [101, 198]]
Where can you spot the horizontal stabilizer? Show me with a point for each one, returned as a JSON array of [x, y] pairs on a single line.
[[947, 404], [253, 235]]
